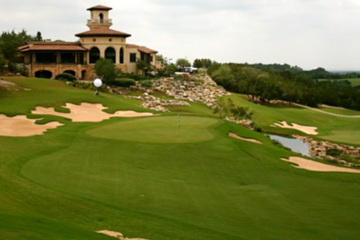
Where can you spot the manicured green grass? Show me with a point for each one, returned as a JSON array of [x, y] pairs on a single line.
[[52, 93], [329, 127], [134, 177], [341, 111], [171, 129]]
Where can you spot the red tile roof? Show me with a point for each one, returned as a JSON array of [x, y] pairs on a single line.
[[52, 46], [147, 50], [129, 45], [141, 48], [102, 32], [99, 7]]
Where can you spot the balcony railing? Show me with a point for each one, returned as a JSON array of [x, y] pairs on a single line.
[[100, 21]]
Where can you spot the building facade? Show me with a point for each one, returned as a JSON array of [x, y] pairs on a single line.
[[48, 59]]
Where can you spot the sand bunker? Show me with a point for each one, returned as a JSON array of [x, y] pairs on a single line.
[[233, 135], [306, 129], [117, 235], [316, 166], [21, 126], [87, 112]]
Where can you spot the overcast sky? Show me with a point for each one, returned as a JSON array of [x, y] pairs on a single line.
[[306, 33]]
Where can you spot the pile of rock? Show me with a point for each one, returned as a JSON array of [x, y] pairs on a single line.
[[319, 149], [202, 89], [157, 104], [244, 122]]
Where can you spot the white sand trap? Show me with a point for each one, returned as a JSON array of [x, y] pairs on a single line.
[[21, 126], [306, 129], [117, 235], [316, 166], [87, 112], [233, 135]]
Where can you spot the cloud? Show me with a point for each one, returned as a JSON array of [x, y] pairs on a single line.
[[308, 33]]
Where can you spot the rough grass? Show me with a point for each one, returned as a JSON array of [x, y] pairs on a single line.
[[67, 183]]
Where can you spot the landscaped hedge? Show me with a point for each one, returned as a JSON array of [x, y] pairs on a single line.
[[123, 82], [65, 76], [146, 83], [134, 76]]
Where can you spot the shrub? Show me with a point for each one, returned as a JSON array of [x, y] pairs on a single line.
[[65, 77], [202, 71], [16, 68], [123, 82], [84, 85], [258, 129], [146, 83], [24, 71], [334, 152], [106, 70], [133, 76]]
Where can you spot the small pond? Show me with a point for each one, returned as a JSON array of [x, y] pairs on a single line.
[[294, 144]]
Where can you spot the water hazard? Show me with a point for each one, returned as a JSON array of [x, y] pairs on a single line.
[[294, 144]]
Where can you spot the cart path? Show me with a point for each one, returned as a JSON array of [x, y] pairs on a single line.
[[325, 112]]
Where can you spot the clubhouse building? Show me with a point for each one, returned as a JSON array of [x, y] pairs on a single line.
[[48, 59]]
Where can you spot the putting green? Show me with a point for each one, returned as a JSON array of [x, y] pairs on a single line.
[[169, 129]]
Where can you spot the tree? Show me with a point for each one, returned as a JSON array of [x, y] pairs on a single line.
[[142, 65], [2, 62], [160, 58], [182, 63], [224, 77], [202, 63], [11, 41], [38, 37], [105, 69]]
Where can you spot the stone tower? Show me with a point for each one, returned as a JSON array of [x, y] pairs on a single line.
[[99, 17]]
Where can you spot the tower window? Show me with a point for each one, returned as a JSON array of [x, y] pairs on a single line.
[[101, 17]]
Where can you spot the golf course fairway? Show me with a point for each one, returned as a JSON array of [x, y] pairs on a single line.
[[162, 177]]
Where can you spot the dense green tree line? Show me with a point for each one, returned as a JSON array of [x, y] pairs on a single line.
[[289, 84], [318, 73], [202, 63], [9, 44]]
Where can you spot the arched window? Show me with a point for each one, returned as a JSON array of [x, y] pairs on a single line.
[[101, 17], [110, 54], [70, 72], [121, 56], [43, 74], [94, 54]]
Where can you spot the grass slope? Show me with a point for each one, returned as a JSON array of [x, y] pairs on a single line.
[[344, 130], [341, 111], [117, 175]]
